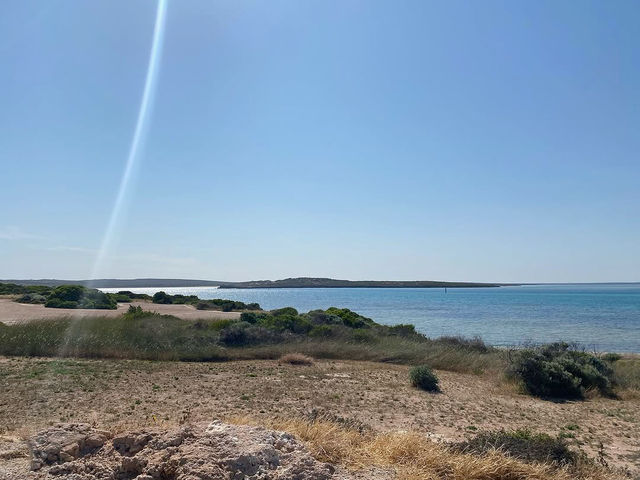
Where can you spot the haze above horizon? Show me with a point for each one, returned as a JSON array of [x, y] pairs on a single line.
[[457, 141]]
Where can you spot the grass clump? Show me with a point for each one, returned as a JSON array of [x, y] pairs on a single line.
[[296, 359], [422, 377], [559, 371], [524, 445], [412, 456], [626, 374]]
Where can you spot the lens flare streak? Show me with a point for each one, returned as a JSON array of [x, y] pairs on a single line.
[[138, 140]]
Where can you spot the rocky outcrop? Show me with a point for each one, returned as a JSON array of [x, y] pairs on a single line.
[[200, 452]]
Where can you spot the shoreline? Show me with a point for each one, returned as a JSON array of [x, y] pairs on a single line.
[[12, 313]]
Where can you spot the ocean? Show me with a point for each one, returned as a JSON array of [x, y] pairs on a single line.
[[601, 317]]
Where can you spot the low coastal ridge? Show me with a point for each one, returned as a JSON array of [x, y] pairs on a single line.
[[300, 282]]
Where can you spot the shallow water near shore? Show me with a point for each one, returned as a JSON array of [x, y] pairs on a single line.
[[602, 317]]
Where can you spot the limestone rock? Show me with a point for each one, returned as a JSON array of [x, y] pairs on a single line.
[[200, 452]]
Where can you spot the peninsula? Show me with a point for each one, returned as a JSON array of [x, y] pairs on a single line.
[[300, 282]]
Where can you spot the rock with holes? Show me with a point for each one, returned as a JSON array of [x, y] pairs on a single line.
[[200, 452], [65, 443]]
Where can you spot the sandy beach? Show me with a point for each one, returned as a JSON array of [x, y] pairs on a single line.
[[12, 312]]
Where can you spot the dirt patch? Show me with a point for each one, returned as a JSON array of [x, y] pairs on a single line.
[[121, 395], [12, 312]]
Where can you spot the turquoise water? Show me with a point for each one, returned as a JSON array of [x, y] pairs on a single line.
[[604, 317]]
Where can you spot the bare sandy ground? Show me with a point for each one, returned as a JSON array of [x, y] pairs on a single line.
[[13, 312], [124, 394]]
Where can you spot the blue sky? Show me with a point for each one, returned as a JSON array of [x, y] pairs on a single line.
[[481, 141]]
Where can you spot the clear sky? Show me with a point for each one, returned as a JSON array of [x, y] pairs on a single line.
[[480, 141]]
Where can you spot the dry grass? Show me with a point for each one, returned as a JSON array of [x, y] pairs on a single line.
[[125, 394], [415, 457], [296, 359]]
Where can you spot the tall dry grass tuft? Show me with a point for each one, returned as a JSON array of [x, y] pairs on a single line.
[[414, 457], [296, 359]]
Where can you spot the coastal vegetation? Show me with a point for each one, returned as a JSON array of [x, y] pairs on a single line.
[[551, 371], [502, 455], [16, 289], [162, 297], [76, 296], [559, 371], [422, 377], [79, 296], [331, 333]]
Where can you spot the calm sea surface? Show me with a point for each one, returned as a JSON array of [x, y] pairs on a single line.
[[605, 317]]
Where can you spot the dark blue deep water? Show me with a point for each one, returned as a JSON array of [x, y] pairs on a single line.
[[605, 317]]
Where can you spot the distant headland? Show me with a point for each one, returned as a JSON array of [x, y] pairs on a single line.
[[300, 282]]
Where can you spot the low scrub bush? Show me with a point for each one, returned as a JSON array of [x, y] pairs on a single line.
[[35, 298], [240, 334], [349, 318], [15, 289], [258, 334], [296, 359], [559, 371], [212, 304], [322, 318], [77, 296], [134, 296], [289, 311], [322, 331], [422, 377], [523, 445]]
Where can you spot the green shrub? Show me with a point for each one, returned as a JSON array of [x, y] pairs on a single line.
[[161, 297], [57, 303], [34, 298], [320, 317], [363, 336], [285, 321], [290, 311], [118, 297], [240, 334], [559, 371], [71, 293], [250, 317], [77, 296], [15, 289], [321, 331], [349, 318], [423, 377], [235, 335]]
